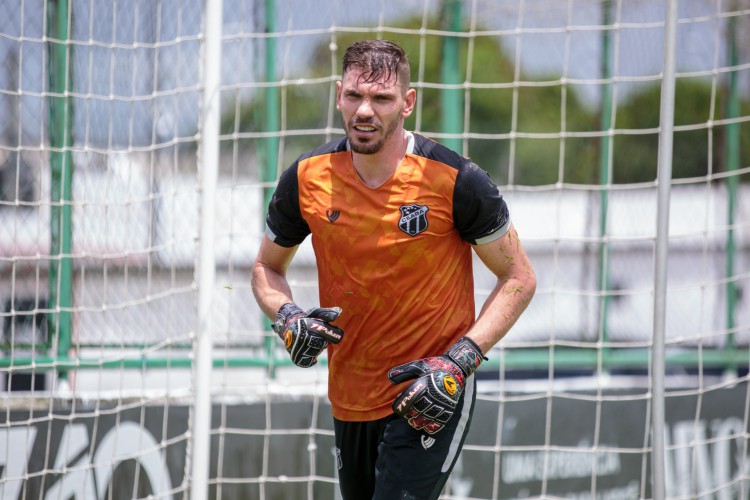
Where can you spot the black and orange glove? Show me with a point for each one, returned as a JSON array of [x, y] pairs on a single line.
[[307, 333], [430, 401]]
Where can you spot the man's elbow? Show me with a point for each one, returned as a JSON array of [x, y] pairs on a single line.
[[526, 284], [531, 285]]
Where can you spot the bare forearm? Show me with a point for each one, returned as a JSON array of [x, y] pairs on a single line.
[[501, 310], [516, 284], [270, 288], [268, 277]]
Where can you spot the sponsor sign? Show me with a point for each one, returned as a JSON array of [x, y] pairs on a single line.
[[558, 447]]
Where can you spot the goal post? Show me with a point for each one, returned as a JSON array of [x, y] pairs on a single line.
[[134, 361]]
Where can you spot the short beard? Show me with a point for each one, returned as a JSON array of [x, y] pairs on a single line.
[[366, 149], [374, 147]]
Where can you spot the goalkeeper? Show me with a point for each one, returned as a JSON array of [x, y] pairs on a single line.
[[394, 217]]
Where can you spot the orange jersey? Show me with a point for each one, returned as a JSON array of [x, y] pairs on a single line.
[[396, 259]]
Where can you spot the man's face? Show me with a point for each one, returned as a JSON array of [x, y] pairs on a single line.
[[372, 112]]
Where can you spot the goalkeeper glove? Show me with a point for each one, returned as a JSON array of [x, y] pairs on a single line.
[[432, 398], [307, 333]]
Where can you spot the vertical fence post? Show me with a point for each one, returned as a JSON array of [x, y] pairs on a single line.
[[732, 149], [666, 132], [208, 165], [451, 98], [271, 124], [270, 106], [605, 146], [61, 161]]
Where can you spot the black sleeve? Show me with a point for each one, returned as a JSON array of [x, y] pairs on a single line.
[[284, 223], [479, 212]]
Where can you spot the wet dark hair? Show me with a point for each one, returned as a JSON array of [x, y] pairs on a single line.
[[378, 59]]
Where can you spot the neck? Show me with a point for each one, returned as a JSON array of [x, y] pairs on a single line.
[[375, 169]]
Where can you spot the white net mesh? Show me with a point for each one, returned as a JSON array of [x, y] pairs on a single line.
[[558, 101]]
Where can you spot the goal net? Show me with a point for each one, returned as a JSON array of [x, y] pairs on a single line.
[[102, 169]]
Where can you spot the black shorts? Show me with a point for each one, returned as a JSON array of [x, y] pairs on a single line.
[[387, 459]]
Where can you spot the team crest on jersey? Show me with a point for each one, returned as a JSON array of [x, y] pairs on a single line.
[[413, 219]]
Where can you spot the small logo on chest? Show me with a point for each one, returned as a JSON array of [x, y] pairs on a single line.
[[332, 215], [413, 219]]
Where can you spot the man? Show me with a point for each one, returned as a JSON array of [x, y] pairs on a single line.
[[393, 218]]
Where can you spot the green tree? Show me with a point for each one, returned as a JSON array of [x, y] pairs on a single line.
[[535, 160], [544, 148], [698, 149]]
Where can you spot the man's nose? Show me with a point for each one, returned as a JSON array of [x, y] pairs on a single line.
[[365, 109]]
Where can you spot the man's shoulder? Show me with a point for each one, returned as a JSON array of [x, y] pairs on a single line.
[[429, 148], [334, 146]]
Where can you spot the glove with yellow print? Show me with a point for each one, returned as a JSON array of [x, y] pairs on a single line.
[[307, 333], [430, 401]]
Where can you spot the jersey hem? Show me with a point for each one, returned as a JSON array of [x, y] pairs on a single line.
[[361, 416]]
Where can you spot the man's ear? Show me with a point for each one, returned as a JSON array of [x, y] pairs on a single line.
[[410, 100], [338, 95]]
